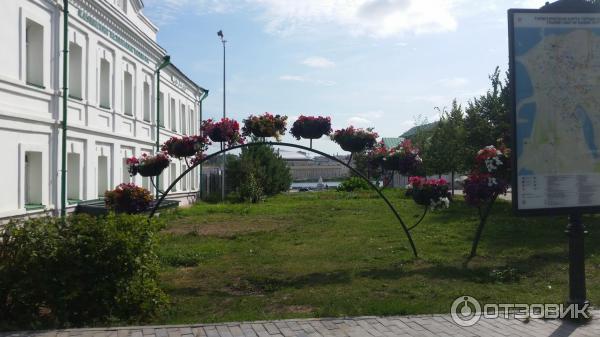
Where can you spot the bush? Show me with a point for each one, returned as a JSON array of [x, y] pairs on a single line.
[[82, 271], [353, 184], [258, 171]]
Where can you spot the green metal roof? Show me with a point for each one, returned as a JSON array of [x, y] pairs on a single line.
[[392, 142]]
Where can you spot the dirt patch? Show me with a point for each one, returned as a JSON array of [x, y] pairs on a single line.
[[291, 309], [226, 229]]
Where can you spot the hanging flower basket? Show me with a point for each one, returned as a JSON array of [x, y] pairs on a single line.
[[404, 158], [490, 177], [265, 126], [186, 146], [224, 131], [429, 192], [128, 198], [494, 161], [355, 140], [311, 127], [148, 165]]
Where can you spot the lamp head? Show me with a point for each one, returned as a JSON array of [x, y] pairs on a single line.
[[220, 34]]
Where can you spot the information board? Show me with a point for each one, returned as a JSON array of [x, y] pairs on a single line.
[[555, 79]]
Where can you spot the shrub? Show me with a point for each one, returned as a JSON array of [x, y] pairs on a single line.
[[353, 184], [82, 271], [128, 198], [270, 171]]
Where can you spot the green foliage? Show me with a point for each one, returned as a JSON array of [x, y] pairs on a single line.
[[82, 271], [353, 184], [251, 190], [445, 151], [487, 119], [258, 170]]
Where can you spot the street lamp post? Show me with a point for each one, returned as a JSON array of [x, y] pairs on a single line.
[[166, 61], [223, 41]]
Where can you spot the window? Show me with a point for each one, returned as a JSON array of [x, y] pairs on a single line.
[[34, 45], [173, 115], [147, 103], [102, 175], [161, 115], [73, 177], [104, 84], [183, 120], [33, 179], [128, 93], [75, 70], [173, 176], [184, 180], [192, 121]]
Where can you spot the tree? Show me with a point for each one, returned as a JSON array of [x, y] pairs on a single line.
[[445, 151], [261, 167], [487, 118]]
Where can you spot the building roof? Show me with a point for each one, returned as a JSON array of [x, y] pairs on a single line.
[[294, 155], [391, 142]]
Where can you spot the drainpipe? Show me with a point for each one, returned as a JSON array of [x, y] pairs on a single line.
[[204, 95], [166, 62], [63, 173]]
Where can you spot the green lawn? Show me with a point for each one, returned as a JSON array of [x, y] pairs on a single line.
[[338, 254]]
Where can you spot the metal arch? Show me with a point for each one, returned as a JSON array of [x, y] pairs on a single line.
[[357, 173]]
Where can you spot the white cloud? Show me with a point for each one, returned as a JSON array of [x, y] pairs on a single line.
[[294, 78], [376, 18], [360, 122], [304, 79], [318, 62]]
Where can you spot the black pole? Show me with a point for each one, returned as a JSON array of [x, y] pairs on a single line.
[[576, 232]]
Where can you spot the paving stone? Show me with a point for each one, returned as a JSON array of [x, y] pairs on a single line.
[[397, 326]]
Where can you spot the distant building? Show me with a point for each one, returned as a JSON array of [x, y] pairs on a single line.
[[305, 168]]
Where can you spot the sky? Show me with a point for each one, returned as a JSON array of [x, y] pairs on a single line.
[[385, 64]]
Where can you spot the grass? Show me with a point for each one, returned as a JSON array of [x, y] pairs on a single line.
[[343, 254]]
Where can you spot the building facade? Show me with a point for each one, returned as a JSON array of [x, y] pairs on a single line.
[[112, 103]]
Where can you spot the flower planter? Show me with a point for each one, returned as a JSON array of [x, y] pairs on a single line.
[[185, 147], [311, 127], [356, 144], [429, 192], [224, 131], [152, 169], [217, 136], [355, 140], [128, 198], [265, 126]]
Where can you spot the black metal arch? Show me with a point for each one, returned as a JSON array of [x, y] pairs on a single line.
[[357, 173]]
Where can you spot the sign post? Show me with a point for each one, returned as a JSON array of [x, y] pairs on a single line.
[[555, 87]]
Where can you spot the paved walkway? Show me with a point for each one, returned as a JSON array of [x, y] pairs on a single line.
[[422, 326]]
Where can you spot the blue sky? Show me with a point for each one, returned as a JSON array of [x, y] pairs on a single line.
[[369, 63]]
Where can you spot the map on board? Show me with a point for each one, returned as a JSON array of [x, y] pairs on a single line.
[[557, 98]]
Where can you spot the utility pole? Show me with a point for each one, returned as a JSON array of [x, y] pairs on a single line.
[[223, 41]]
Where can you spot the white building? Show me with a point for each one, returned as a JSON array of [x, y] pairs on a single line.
[[113, 55]]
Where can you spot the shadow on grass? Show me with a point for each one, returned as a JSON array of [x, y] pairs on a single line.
[[505, 273], [270, 284]]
